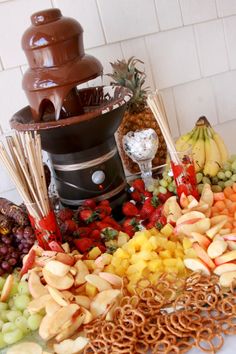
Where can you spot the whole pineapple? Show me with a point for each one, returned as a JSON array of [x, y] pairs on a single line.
[[138, 116]]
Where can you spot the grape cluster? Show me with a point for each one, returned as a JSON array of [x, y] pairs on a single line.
[[15, 319], [164, 184], [226, 177]]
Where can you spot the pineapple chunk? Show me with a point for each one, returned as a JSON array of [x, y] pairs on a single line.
[[125, 263], [122, 239], [167, 230], [170, 262], [115, 261], [162, 242], [129, 247], [190, 253], [154, 241], [137, 267], [90, 264], [94, 253], [155, 265], [187, 243], [142, 255], [90, 290], [154, 232], [121, 271], [171, 246], [165, 254], [120, 253], [139, 240], [110, 269], [179, 253], [147, 246], [131, 288]]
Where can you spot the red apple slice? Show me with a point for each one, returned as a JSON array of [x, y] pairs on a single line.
[[232, 245], [190, 217], [230, 237], [102, 300], [202, 254], [66, 247], [69, 346], [57, 296], [215, 229], [172, 210], [65, 258], [39, 303], [207, 195], [60, 283], [72, 325], [113, 279], [226, 279], [199, 226], [36, 288], [25, 348], [83, 300], [6, 290], [51, 307], [98, 282], [193, 203], [216, 248], [196, 265], [29, 263], [201, 239], [88, 316], [57, 268], [226, 257], [225, 268], [183, 201], [82, 270]]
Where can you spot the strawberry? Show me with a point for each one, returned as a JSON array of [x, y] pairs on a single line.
[[104, 203], [102, 225], [148, 207], [147, 194], [83, 244], [129, 209], [139, 185], [95, 235], [103, 211], [83, 231], [87, 215], [65, 214], [155, 216], [100, 246], [90, 203], [109, 233], [112, 223], [164, 196], [130, 226], [161, 222], [136, 196], [70, 226]]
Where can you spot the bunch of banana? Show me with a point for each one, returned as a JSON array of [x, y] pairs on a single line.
[[208, 148]]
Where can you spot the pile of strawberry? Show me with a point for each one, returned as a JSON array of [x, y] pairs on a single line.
[[144, 210], [91, 225]]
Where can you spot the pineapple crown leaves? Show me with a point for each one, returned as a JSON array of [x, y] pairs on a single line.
[[125, 73]]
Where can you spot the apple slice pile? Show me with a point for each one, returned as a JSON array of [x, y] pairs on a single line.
[[214, 247], [71, 291]]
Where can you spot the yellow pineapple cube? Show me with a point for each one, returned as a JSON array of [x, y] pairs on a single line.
[[170, 245], [131, 288], [139, 239], [167, 230], [178, 253], [90, 290], [147, 246], [125, 263], [121, 271], [154, 232], [110, 269], [154, 241], [115, 261], [190, 253], [120, 253], [170, 262], [155, 265], [153, 277], [122, 239], [134, 277], [187, 243], [165, 254], [90, 264], [129, 247], [171, 270], [137, 267], [180, 265], [94, 253], [162, 242], [179, 246]]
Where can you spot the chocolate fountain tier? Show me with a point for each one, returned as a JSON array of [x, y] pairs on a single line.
[[82, 149]]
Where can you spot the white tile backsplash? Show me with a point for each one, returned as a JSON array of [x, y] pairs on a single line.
[[137, 47], [124, 19], [230, 34], [195, 11], [14, 20], [226, 7], [86, 12], [173, 57], [224, 88], [193, 100], [211, 47], [186, 51], [169, 14]]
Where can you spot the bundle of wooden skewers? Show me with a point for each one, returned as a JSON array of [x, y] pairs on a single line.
[[21, 155]]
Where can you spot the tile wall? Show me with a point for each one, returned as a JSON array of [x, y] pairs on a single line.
[[188, 46]]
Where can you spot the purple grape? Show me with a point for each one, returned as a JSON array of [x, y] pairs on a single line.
[[6, 266], [12, 261], [3, 250]]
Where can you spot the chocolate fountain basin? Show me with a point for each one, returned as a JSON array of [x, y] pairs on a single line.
[[82, 148]]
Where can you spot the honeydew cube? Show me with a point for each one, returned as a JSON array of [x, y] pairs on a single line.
[[90, 290], [167, 230], [155, 265], [120, 253], [94, 253], [165, 254], [122, 239], [187, 243], [170, 262]]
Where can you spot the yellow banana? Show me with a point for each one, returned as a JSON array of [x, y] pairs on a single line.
[[198, 150], [213, 158], [221, 146], [183, 143]]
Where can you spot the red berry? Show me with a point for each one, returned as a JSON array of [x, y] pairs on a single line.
[[83, 244], [130, 226], [83, 231], [90, 203], [129, 209], [70, 226], [65, 214], [104, 203], [95, 235], [147, 209], [139, 185], [112, 222], [87, 215], [103, 211], [156, 214], [136, 196], [164, 196]]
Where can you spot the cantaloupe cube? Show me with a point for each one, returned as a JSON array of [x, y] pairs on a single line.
[[167, 230], [90, 290], [187, 243], [122, 239], [120, 253], [94, 253], [155, 265], [165, 254], [170, 262]]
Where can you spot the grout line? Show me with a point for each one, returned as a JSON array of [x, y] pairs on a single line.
[[149, 64], [226, 44], [181, 13], [1, 64], [157, 17], [52, 3], [101, 22], [197, 51]]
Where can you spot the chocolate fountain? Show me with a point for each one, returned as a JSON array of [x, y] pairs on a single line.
[[76, 126]]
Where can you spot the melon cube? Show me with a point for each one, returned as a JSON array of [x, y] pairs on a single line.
[[167, 230]]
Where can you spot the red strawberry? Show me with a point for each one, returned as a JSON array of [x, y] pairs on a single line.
[[148, 208], [87, 215], [130, 226], [83, 231], [100, 246], [147, 194], [136, 196], [103, 211], [70, 226], [102, 225], [95, 235], [161, 222], [104, 203], [139, 185], [90, 203], [129, 209], [155, 216], [65, 214], [164, 196], [83, 244], [112, 223]]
